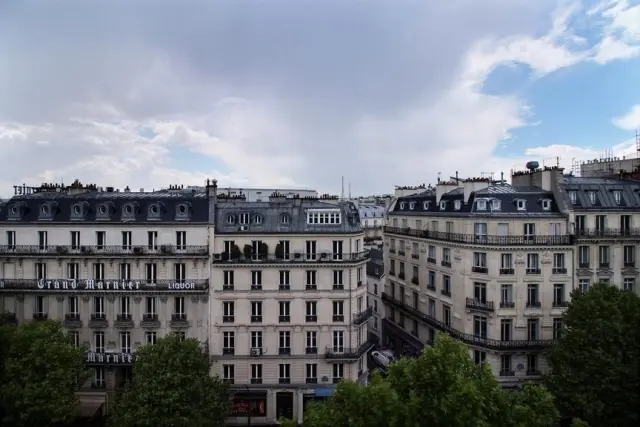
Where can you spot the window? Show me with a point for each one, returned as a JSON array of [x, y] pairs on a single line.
[[480, 326], [558, 295], [601, 223], [506, 263], [126, 240], [125, 342], [337, 250], [311, 373], [73, 306], [338, 372], [625, 224], [457, 204], [629, 284], [629, 256], [603, 256], [257, 219], [521, 204], [338, 311], [74, 337], [495, 205], [338, 341], [506, 329], [243, 218], [506, 296], [150, 337], [311, 311], [328, 216], [506, 365], [256, 250], [480, 292], [72, 270], [228, 312], [481, 205], [42, 240], [256, 311], [533, 300], [558, 263], [11, 239], [480, 231], [227, 283], [337, 279], [310, 250], [446, 285], [41, 270], [480, 260], [529, 231], [446, 315], [583, 256], [617, 195], [284, 311], [285, 277], [443, 205], [311, 280], [533, 327], [557, 328], [256, 339], [583, 285], [228, 373], [574, 197], [150, 307], [228, 342], [479, 357], [284, 342], [152, 240], [181, 240], [284, 371], [98, 341], [151, 272], [546, 205], [592, 197], [124, 271], [533, 264], [125, 307], [178, 308], [75, 240], [256, 373], [284, 219], [98, 271], [256, 279], [98, 307], [99, 377]]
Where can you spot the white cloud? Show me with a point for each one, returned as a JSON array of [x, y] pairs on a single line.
[[629, 121], [292, 96]]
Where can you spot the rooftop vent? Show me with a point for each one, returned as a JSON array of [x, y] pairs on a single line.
[[533, 165]]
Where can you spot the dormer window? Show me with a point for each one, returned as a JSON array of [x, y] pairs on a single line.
[[284, 219], [617, 195], [457, 204], [257, 219], [574, 197], [495, 205], [426, 205], [403, 205], [412, 205], [481, 205], [45, 209], [244, 218], [443, 205], [77, 209], [14, 210], [230, 219], [546, 205], [521, 205], [592, 197]]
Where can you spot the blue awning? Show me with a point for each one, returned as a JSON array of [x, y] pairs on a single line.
[[324, 391]]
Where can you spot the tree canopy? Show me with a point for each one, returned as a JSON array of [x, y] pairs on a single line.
[[442, 387], [172, 386], [40, 375], [594, 367]]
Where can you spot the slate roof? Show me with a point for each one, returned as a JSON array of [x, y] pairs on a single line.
[[178, 206], [604, 189], [505, 195], [375, 265], [371, 211], [283, 216]]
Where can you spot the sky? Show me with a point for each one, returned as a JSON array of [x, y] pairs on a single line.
[[298, 93]]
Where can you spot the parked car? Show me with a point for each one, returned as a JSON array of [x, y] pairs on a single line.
[[383, 359]]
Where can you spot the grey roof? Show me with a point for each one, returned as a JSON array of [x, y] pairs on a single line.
[[425, 203], [282, 216], [371, 211], [94, 205], [604, 189]]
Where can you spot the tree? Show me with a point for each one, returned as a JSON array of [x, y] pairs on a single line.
[[42, 371], [442, 387], [595, 364], [172, 386]]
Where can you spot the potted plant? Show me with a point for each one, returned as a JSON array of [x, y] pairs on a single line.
[[247, 251], [61, 249], [279, 251], [235, 252], [264, 250]]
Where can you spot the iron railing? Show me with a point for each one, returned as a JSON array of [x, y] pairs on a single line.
[[339, 352], [464, 337], [363, 316], [109, 285], [472, 239], [612, 233], [298, 257], [102, 250]]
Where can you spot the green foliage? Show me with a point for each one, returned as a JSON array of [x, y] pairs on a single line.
[[442, 387], [172, 386], [41, 373], [579, 423], [595, 365]]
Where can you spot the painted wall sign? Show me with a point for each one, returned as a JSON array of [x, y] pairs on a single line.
[[109, 358], [65, 285]]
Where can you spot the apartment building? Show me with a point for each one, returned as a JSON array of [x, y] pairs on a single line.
[[119, 269], [288, 302], [375, 286], [489, 263]]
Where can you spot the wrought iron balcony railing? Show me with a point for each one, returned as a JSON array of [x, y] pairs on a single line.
[[472, 239], [102, 250], [464, 337], [298, 257], [476, 304], [363, 316], [340, 352], [107, 285], [611, 233]]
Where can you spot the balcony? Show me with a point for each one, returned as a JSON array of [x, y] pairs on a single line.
[[431, 260], [284, 318], [560, 304], [401, 253], [401, 275], [284, 351], [476, 304], [415, 256], [445, 263], [179, 320], [533, 271], [311, 318], [507, 373], [464, 337], [608, 233], [533, 304], [228, 319], [150, 320], [296, 258], [72, 321], [479, 269], [311, 350], [473, 239], [122, 286], [98, 321], [559, 270], [402, 338], [415, 281], [506, 271], [446, 292], [124, 321], [347, 353], [363, 316], [104, 250], [507, 304]]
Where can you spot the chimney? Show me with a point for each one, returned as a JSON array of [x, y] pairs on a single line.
[[443, 187], [474, 184]]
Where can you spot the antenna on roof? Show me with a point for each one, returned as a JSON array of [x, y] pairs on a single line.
[[349, 191], [342, 191]]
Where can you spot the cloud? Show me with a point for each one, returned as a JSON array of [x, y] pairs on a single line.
[[629, 121], [278, 93]]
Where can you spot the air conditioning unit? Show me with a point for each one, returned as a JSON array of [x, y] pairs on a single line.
[[244, 227], [256, 352]]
